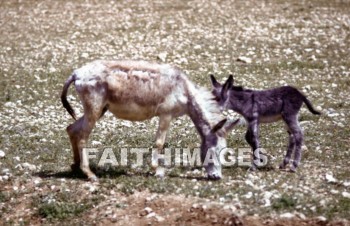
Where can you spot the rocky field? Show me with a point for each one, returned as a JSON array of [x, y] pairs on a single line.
[[264, 44]]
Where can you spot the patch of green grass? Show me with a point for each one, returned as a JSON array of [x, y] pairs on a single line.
[[340, 208], [3, 197], [285, 202], [61, 210]]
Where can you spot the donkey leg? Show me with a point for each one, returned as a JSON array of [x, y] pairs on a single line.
[[296, 132], [164, 123], [253, 129], [290, 150], [73, 131], [78, 134]]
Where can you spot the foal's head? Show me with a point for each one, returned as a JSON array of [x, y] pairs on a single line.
[[220, 92]]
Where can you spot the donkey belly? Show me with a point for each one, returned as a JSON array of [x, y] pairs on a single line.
[[270, 118], [132, 111]]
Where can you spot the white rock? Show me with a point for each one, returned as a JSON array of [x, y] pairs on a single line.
[[17, 158], [153, 214], [84, 55], [6, 171], [288, 51], [37, 181], [95, 143], [334, 192], [197, 47], [148, 210], [330, 178], [244, 59], [346, 194], [160, 172], [159, 218], [346, 183], [287, 215], [2, 154], [321, 218], [162, 56], [52, 69], [248, 195], [28, 166]]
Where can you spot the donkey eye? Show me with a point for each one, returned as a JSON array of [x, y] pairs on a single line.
[[217, 99]]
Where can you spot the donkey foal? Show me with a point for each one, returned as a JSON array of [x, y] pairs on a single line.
[[265, 106]]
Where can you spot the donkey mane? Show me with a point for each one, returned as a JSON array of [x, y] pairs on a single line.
[[206, 103]]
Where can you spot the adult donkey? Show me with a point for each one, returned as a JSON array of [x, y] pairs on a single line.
[[140, 90]]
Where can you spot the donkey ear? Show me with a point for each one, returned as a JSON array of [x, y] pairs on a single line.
[[226, 87], [230, 125], [218, 126], [213, 81]]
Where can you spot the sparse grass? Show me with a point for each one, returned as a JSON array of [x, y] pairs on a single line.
[[284, 203], [60, 211], [304, 44]]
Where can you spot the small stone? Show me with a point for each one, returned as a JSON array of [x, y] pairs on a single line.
[[243, 59], [28, 166], [248, 195], [2, 154], [17, 158], [287, 215], [321, 218], [160, 219], [197, 47], [346, 194], [346, 183], [162, 56], [330, 178], [84, 55], [37, 181], [153, 214]]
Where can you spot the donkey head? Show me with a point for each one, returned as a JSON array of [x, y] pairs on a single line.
[[211, 147], [220, 92]]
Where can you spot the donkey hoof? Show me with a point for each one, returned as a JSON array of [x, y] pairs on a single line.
[[93, 178], [160, 172], [282, 167], [253, 168], [293, 169], [214, 177]]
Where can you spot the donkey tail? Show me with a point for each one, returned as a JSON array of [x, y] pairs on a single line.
[[310, 107], [64, 100]]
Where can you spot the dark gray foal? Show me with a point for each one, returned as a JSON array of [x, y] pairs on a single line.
[[265, 106]]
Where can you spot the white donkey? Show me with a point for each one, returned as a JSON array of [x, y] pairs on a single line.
[[139, 90]]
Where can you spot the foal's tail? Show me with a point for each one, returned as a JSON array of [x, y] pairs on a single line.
[[310, 107], [64, 100]]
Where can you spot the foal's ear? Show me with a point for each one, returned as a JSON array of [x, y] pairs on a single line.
[[218, 126], [227, 86], [214, 82]]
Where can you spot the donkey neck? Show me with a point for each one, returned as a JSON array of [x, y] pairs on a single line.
[[202, 109], [239, 100]]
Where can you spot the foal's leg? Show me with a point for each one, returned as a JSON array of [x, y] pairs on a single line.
[[295, 130], [253, 134], [290, 149], [164, 123]]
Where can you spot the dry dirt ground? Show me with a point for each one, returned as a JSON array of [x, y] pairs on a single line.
[[263, 44]]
